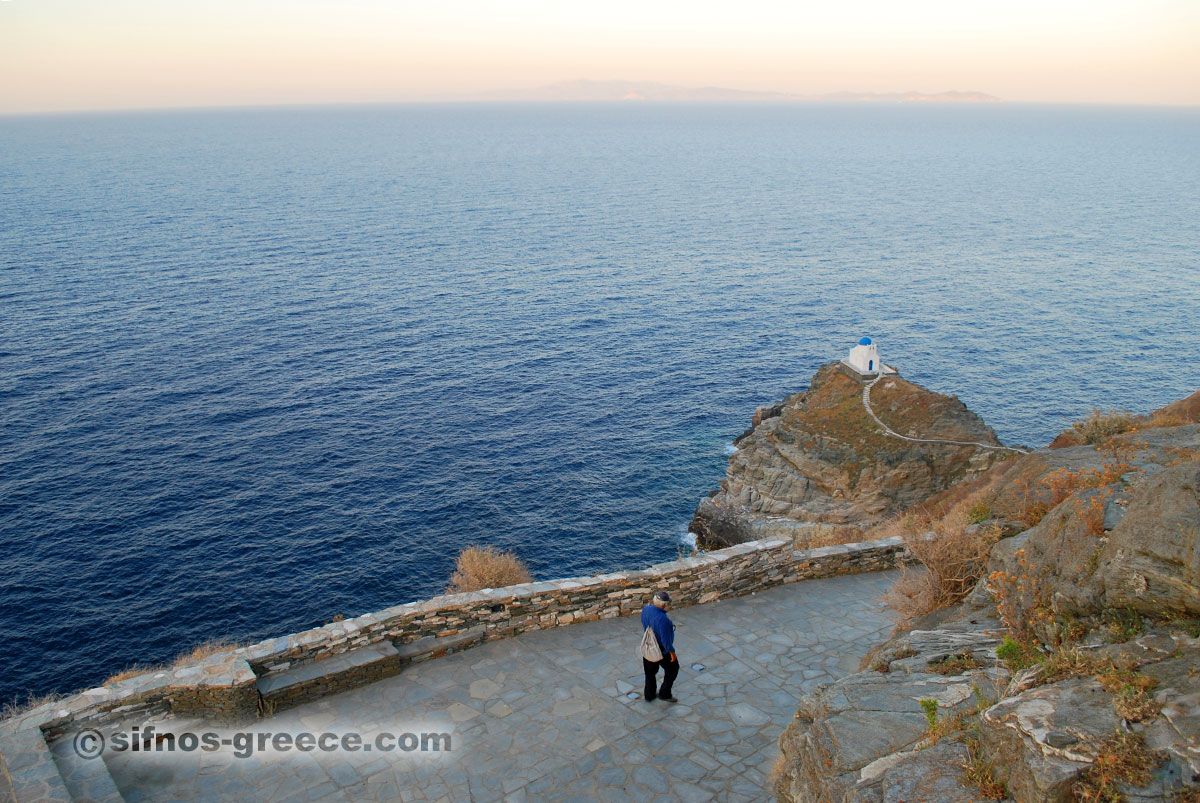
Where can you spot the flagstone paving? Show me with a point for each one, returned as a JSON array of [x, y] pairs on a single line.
[[557, 714]]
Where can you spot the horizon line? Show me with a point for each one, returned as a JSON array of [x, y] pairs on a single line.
[[476, 101]]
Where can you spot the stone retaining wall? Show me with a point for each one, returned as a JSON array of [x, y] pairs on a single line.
[[223, 686]]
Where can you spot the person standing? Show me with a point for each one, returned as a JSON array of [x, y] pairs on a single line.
[[654, 616]]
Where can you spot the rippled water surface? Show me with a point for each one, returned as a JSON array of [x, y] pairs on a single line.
[[259, 368]]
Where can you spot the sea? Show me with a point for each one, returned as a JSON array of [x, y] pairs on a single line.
[[260, 368]]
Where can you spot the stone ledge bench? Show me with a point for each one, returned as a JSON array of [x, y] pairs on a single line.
[[436, 646], [311, 680]]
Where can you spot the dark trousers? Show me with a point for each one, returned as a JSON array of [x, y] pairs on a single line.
[[670, 670]]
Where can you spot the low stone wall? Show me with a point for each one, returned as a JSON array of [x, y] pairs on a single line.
[[225, 686], [502, 612]]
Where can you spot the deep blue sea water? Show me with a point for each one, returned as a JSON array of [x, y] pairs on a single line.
[[262, 367]]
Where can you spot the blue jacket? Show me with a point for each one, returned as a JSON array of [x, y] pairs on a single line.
[[656, 618]]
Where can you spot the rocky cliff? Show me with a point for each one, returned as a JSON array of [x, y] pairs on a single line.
[[1071, 672], [817, 457]]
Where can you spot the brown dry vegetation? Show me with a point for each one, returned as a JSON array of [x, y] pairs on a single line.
[[19, 705], [205, 649], [979, 772], [1121, 758], [1190, 794], [983, 489], [133, 671], [480, 567], [953, 554], [955, 664], [1031, 496], [1099, 426], [953, 559], [832, 536], [201, 651]]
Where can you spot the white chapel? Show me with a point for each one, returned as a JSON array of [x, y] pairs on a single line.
[[864, 359]]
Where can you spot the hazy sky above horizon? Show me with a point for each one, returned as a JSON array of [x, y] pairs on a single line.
[[87, 54]]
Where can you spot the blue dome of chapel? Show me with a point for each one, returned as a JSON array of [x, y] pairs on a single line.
[[866, 341]]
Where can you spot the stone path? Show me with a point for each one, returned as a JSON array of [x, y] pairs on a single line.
[[555, 715], [866, 400]]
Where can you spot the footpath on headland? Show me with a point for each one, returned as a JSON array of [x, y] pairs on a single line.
[[557, 715]]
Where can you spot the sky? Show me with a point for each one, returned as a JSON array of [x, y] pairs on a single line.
[[58, 55]]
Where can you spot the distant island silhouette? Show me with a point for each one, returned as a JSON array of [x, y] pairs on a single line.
[[584, 89]]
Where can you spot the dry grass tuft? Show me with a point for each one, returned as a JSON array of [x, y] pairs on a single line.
[[1178, 455], [205, 649], [979, 772], [834, 536], [910, 523], [1072, 662], [1122, 758], [778, 772], [1100, 426], [480, 567], [1163, 419], [133, 672], [955, 664], [1189, 794], [18, 705], [1131, 693]]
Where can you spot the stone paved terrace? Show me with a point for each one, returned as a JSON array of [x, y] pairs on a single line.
[[556, 714]]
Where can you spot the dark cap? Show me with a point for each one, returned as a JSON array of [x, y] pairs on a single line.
[[663, 595]]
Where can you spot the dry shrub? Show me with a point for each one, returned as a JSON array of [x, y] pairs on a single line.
[[954, 559], [1131, 692], [1098, 426], [480, 567], [1091, 511], [778, 774], [1035, 499], [1072, 662]]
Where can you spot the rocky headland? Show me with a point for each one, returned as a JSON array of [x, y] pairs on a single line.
[[817, 460], [1071, 669]]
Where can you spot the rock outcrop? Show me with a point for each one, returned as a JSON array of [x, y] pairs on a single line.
[[1152, 559], [1104, 593], [818, 458], [1131, 543], [863, 738]]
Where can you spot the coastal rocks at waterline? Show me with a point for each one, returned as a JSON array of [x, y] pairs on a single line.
[[818, 459]]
